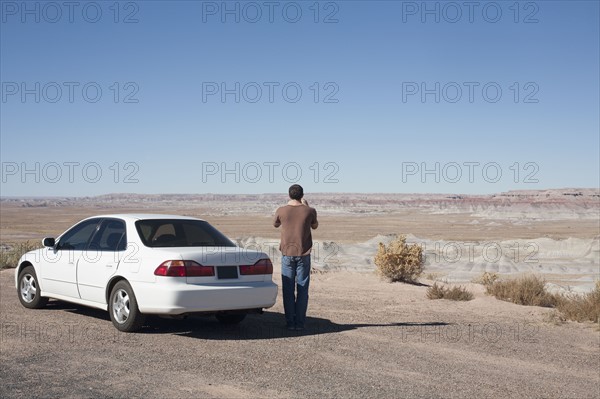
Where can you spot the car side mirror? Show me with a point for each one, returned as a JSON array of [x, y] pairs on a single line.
[[48, 242]]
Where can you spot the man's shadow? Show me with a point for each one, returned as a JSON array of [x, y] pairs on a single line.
[[269, 325]]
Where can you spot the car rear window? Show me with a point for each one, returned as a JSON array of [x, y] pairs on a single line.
[[180, 233]]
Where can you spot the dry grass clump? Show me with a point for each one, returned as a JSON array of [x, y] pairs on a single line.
[[528, 290], [581, 307], [555, 317], [11, 255], [486, 279], [432, 276], [457, 293], [399, 261]]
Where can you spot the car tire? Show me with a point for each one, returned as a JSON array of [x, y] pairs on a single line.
[[123, 309], [29, 289], [230, 318]]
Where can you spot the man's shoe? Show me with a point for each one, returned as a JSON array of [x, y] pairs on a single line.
[[299, 328]]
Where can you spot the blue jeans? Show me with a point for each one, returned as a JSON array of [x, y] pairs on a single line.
[[295, 271]]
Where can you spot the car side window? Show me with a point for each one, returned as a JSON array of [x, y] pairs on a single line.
[[78, 237], [110, 236]]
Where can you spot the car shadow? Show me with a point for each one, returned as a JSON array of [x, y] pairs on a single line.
[[269, 325], [56, 304]]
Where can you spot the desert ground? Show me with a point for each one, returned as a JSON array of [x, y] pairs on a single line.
[[365, 337]]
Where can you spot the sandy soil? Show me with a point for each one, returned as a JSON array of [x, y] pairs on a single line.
[[22, 223], [365, 338]]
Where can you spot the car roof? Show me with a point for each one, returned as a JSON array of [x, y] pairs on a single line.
[[143, 216]]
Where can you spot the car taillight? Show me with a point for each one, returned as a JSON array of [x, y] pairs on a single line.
[[197, 270], [263, 266], [184, 268]]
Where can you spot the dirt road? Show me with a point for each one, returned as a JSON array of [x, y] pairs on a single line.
[[365, 338]]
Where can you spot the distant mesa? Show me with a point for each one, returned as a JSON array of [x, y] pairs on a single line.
[[534, 204]]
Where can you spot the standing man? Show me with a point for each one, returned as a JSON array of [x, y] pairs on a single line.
[[296, 219]]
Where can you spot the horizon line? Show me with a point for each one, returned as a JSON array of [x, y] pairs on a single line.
[[2, 197]]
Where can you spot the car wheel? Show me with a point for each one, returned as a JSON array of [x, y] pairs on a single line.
[[230, 318], [123, 308], [29, 289]]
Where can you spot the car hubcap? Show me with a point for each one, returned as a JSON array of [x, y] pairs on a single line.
[[28, 288], [121, 306]]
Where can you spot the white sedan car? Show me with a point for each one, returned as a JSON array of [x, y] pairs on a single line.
[[133, 265]]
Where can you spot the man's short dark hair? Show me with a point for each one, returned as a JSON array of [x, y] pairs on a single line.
[[296, 192]]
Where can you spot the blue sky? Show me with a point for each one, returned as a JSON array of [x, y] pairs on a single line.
[[340, 106]]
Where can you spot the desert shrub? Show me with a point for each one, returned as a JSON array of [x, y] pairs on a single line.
[[555, 317], [399, 261], [457, 293], [528, 290], [581, 307], [486, 279], [9, 255]]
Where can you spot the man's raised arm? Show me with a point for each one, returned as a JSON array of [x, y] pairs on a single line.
[[276, 221], [315, 222]]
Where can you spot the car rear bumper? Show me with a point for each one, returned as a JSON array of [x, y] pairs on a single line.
[[175, 298]]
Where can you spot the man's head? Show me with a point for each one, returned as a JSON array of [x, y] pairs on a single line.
[[296, 192]]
